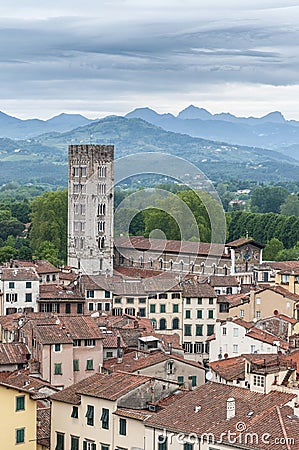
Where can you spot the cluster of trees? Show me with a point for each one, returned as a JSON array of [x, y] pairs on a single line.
[[178, 213], [45, 217]]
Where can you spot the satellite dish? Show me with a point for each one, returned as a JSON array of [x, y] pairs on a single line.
[[209, 376], [225, 355], [57, 322]]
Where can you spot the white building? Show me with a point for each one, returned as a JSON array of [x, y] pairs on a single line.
[[235, 337], [19, 288]]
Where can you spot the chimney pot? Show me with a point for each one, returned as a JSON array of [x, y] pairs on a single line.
[[230, 408]]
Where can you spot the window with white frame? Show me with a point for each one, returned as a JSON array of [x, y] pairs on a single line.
[[235, 348], [258, 380]]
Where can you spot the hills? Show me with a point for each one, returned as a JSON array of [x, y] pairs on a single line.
[[272, 131], [43, 159], [11, 127]]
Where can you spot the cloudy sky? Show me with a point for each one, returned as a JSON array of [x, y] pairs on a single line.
[[100, 57]]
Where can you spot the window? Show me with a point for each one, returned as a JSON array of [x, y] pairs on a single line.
[[181, 380], [117, 300], [188, 301], [199, 314], [235, 332], [175, 323], [77, 343], [28, 284], [90, 415], [57, 347], [90, 294], [130, 300], [162, 296], [188, 446], [258, 314], [104, 447], [59, 441], [122, 427], [224, 331], [235, 348], [162, 308], [102, 171], [198, 330], [105, 418], [162, 442], [89, 364], [90, 342], [90, 306], [242, 312], [67, 308], [20, 435], [162, 324], [170, 368], [175, 295], [210, 314], [79, 308], [258, 380], [152, 309], [199, 301], [210, 330], [252, 348], [76, 365], [142, 300], [107, 306], [211, 301], [187, 330], [142, 312], [20, 403], [175, 308], [57, 369], [75, 412], [11, 285], [223, 307], [89, 445], [188, 314], [74, 443], [109, 354]]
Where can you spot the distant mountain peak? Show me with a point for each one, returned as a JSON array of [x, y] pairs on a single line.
[[274, 116], [193, 112]]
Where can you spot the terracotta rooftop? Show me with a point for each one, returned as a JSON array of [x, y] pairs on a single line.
[[21, 379], [243, 241], [44, 426], [259, 413], [138, 360], [169, 246], [223, 281], [20, 274], [56, 292], [41, 266], [110, 340], [13, 353], [109, 387], [230, 368], [193, 289], [133, 272], [234, 300], [284, 292], [268, 338]]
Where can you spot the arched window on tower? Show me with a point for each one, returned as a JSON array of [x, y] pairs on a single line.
[[101, 242]]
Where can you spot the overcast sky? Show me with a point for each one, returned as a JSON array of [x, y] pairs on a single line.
[[100, 57]]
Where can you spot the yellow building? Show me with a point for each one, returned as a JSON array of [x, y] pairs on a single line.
[[17, 418]]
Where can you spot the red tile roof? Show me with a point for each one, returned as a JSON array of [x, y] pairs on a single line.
[[110, 340], [280, 290], [268, 338], [56, 292], [41, 266], [169, 246], [20, 274], [230, 368], [109, 387], [138, 360], [243, 241], [194, 289], [13, 353], [203, 411], [223, 281]]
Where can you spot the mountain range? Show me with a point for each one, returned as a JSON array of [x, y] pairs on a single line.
[[43, 158]]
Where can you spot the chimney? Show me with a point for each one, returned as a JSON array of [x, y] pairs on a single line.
[[119, 352], [230, 408], [170, 347]]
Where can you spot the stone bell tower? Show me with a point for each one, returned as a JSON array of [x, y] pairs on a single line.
[[90, 208]]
